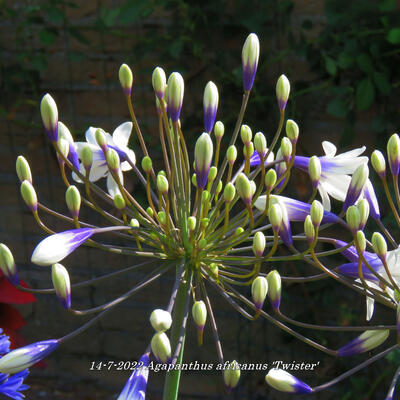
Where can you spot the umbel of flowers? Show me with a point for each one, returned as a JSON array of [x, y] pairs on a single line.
[[215, 216]]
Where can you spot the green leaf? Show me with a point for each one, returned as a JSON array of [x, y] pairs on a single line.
[[55, 15], [47, 37], [365, 63], [330, 66], [382, 83], [337, 107], [345, 60], [365, 94], [394, 36]]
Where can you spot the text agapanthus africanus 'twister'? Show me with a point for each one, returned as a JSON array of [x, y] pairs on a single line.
[[216, 220]]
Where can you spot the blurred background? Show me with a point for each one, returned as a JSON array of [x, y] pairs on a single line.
[[341, 58]]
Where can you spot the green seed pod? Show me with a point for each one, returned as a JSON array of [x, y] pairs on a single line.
[[147, 164], [23, 169], [259, 290], [258, 244], [270, 179], [317, 213], [379, 245], [126, 79], [29, 195], [73, 200], [246, 134], [160, 320], [292, 130], [162, 183], [219, 130], [231, 154]]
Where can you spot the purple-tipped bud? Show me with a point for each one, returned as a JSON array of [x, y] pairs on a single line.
[[314, 170], [365, 342], [28, 193], [199, 313], [378, 163], [250, 55], [56, 247], [125, 79], [243, 188], [210, 106], [358, 180], [7, 265], [231, 375], [259, 290], [24, 357], [282, 91], [393, 151], [23, 169], [175, 90], [159, 81], [274, 289], [49, 112], [258, 244], [203, 153], [281, 380], [62, 284]]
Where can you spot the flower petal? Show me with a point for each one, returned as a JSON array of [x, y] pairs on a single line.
[[329, 148], [122, 133]]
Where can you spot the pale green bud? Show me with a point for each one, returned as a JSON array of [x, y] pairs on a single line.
[[199, 313], [363, 209], [229, 192], [150, 212], [203, 153], [212, 174], [214, 270], [260, 144], [73, 200], [62, 284], [232, 375], [87, 157], [231, 154], [29, 195], [7, 264], [309, 230], [49, 112], [258, 244], [126, 79], [379, 244], [219, 130], [281, 380], [360, 239], [205, 196], [191, 223], [162, 183], [218, 188], [393, 151], [250, 55], [23, 169], [63, 146], [379, 163], [162, 217], [314, 170], [160, 320], [101, 138], [317, 213], [286, 149], [202, 244], [259, 290], [112, 159], [253, 188], [159, 81], [270, 179], [292, 130], [205, 222], [239, 231], [275, 216], [147, 164], [353, 218], [134, 223], [274, 289], [243, 188], [282, 91], [161, 347], [175, 90], [194, 180], [210, 105], [119, 202], [248, 150], [246, 134]]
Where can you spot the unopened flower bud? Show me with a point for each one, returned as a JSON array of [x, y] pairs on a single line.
[[126, 79], [219, 130], [162, 183], [243, 188], [317, 213], [314, 170], [259, 290], [360, 240], [63, 147], [292, 130], [210, 105], [119, 201], [202, 244], [357, 183], [248, 150], [282, 91], [253, 188], [87, 157], [275, 216], [203, 153], [286, 149], [246, 134], [199, 313], [49, 112], [239, 231], [160, 320], [150, 212], [258, 244], [214, 270], [353, 218], [212, 174], [73, 200], [309, 230], [260, 144], [378, 163], [281, 380], [112, 159], [23, 169], [218, 188], [159, 81], [7, 264], [363, 343], [29, 195], [379, 244], [175, 90], [393, 151], [147, 164], [62, 284], [134, 223], [194, 180], [231, 154], [270, 179], [205, 222], [229, 192], [232, 375], [191, 223], [161, 347], [205, 196], [250, 55], [363, 209], [274, 289], [101, 138]]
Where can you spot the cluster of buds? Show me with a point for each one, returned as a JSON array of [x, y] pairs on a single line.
[[216, 222]]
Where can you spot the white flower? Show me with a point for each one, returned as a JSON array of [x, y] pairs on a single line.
[[119, 142]]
